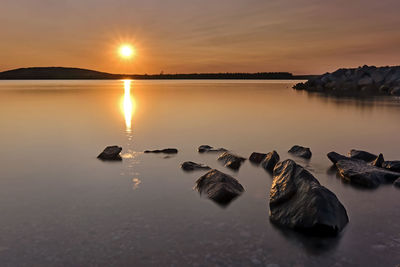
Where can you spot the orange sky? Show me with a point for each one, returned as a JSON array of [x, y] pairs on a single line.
[[182, 36]]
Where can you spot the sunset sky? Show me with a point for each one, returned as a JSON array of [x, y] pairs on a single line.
[[183, 36]]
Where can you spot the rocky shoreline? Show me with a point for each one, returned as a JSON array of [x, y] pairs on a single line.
[[369, 80]]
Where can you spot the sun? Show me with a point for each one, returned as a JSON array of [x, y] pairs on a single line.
[[126, 51]]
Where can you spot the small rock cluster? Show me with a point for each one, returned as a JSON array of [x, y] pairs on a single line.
[[366, 169], [366, 79]]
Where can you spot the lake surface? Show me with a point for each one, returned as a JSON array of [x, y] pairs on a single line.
[[61, 206]]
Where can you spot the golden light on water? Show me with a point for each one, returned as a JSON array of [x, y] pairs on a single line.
[[128, 105], [126, 51]]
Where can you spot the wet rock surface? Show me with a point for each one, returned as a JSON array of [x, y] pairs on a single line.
[[219, 187], [192, 166], [256, 157], [378, 161], [362, 155], [164, 151], [298, 201], [392, 165], [369, 80], [207, 148], [111, 153], [300, 151], [270, 161], [231, 160]]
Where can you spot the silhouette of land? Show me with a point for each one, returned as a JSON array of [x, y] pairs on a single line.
[[61, 73]]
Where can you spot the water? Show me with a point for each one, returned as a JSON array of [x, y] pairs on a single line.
[[60, 206]]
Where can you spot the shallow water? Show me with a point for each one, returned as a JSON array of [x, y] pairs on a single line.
[[60, 206]]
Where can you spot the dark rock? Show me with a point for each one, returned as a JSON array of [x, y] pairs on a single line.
[[335, 157], [361, 173], [300, 151], [392, 165], [298, 201], [363, 155], [378, 161], [110, 153], [220, 187], [270, 161], [191, 166], [397, 182], [207, 148], [231, 161], [256, 157], [165, 151]]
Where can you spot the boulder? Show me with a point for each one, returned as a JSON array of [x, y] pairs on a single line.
[[395, 91], [191, 166], [363, 155], [361, 173], [110, 153], [270, 161], [397, 182], [378, 161], [164, 151], [219, 187], [335, 157], [256, 157], [231, 161], [392, 165], [300, 151], [365, 81], [300, 202], [207, 148]]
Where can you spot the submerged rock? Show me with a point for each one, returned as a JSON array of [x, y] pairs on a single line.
[[231, 161], [392, 165], [256, 157], [270, 161], [298, 201], [361, 173], [300, 151], [164, 151], [363, 155], [191, 166], [110, 153], [220, 187], [207, 148]]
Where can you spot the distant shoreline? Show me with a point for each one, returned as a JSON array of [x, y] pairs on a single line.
[[62, 73]]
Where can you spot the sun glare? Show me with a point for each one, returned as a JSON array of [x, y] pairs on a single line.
[[126, 51]]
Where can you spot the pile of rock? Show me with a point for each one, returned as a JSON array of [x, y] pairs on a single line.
[[366, 79]]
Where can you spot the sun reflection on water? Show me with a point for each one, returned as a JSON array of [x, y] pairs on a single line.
[[128, 105]]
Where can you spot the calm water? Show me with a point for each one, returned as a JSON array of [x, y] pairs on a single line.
[[60, 206]]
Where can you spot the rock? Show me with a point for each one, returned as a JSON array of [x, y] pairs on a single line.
[[231, 161], [363, 155], [335, 157], [165, 151], [298, 201], [397, 182], [191, 166], [110, 153], [378, 161], [300, 151], [207, 148], [270, 161], [256, 157], [359, 172], [365, 81], [218, 186], [392, 165]]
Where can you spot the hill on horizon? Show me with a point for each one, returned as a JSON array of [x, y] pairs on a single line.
[[68, 73]]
